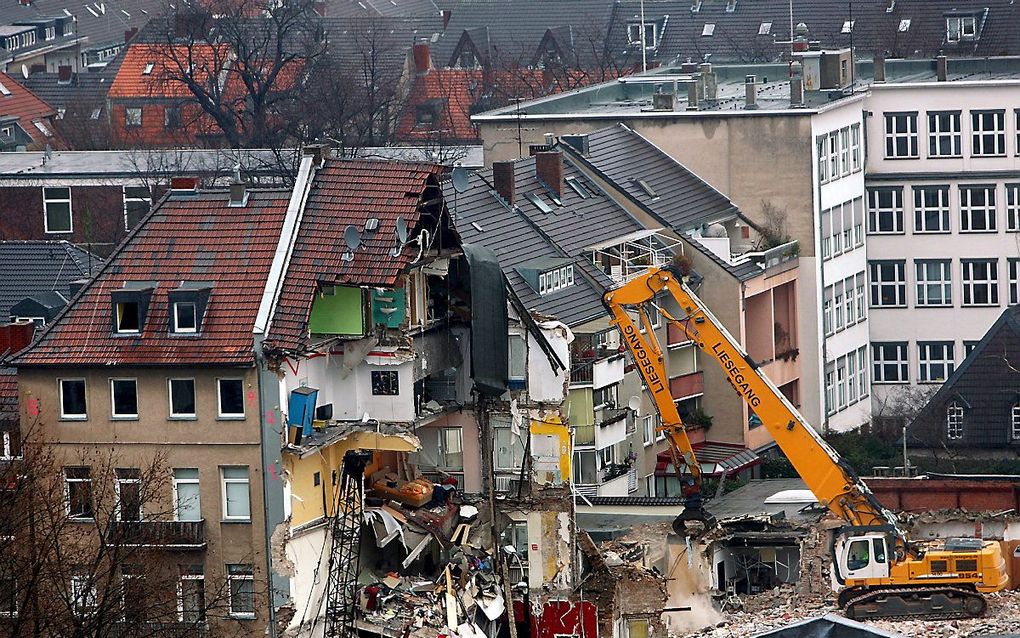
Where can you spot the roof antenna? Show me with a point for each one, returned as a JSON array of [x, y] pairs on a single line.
[[47, 154]]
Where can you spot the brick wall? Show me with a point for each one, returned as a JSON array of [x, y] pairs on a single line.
[[918, 495], [97, 214]]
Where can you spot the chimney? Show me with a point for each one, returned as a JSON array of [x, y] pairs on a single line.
[[549, 169], [578, 141], [64, 74], [709, 82], [750, 92], [800, 40], [238, 189], [129, 34], [941, 68], [319, 7], [688, 67], [879, 68], [796, 84], [503, 179], [693, 96], [662, 101], [447, 14], [422, 57], [318, 152], [26, 3], [15, 337], [183, 187]]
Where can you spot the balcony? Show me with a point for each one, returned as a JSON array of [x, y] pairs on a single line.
[[177, 535], [687, 385]]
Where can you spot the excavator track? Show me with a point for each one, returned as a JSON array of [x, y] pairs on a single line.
[[929, 603]]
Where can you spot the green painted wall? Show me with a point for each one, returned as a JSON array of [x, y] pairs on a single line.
[[388, 307], [341, 313]]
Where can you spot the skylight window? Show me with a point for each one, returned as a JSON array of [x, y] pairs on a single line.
[[904, 25], [645, 187], [708, 30], [765, 28], [4, 90], [576, 187], [538, 202], [848, 26], [43, 128], [148, 68]]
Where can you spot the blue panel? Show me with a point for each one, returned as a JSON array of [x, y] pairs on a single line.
[[301, 409]]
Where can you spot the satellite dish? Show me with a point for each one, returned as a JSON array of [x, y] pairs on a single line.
[[460, 179], [634, 403], [396, 250], [352, 237], [24, 71], [402, 230]]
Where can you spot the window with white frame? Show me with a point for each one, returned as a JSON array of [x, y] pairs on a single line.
[[844, 150], [78, 493], [1014, 422], [72, 399], [855, 147], [185, 317], [518, 358], [10, 444], [834, 155], [954, 421], [977, 209], [900, 135], [935, 361], [191, 595], [988, 133], [605, 397], [182, 398], [1013, 207], [508, 452], [885, 210], [124, 398], [186, 494], [960, 28], [648, 429], [837, 307], [861, 280], [851, 314], [634, 32], [235, 494], [1013, 265], [241, 581], [83, 595], [934, 282], [851, 378], [57, 210], [840, 383], [862, 371], [137, 202], [557, 279], [827, 311], [889, 362], [451, 449], [822, 148], [888, 284], [585, 467], [230, 398], [931, 209], [129, 494], [945, 137], [980, 282], [830, 388]]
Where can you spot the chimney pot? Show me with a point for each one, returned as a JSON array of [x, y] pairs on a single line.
[[550, 139], [879, 64], [422, 57], [549, 169], [503, 179], [942, 68], [751, 92]]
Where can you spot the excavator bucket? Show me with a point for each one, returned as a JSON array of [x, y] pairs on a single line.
[[694, 522]]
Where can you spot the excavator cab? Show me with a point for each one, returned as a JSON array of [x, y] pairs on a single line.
[[865, 557]]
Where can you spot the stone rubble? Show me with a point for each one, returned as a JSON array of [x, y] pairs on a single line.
[[783, 606]]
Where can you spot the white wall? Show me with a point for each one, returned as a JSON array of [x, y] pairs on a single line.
[[544, 385]]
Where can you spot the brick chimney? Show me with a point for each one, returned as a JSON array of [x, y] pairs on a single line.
[[129, 34], [549, 169], [14, 337], [64, 74], [422, 57], [503, 179]]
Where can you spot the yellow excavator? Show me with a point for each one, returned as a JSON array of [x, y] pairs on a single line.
[[880, 571]]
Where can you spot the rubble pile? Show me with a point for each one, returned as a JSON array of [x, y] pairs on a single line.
[[752, 615]]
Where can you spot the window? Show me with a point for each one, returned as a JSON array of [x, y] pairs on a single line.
[[827, 312], [137, 202], [518, 358], [8, 591], [708, 30], [182, 398], [900, 135], [954, 421], [862, 371], [977, 209], [385, 383], [837, 306], [935, 361], [889, 362], [885, 210], [648, 429], [888, 284], [78, 493], [844, 150], [841, 383], [557, 279], [934, 282], [968, 347], [862, 305], [944, 134], [124, 398], [187, 499], [57, 210], [931, 209], [605, 397], [241, 579], [230, 398], [10, 444], [185, 317], [1013, 207], [851, 314], [128, 317], [980, 282], [585, 467], [834, 155], [129, 494], [72, 399], [83, 595], [904, 25], [960, 28], [236, 504], [855, 147], [988, 133], [650, 33], [172, 118], [1014, 422], [509, 448], [851, 377], [451, 449], [1014, 280], [822, 145], [637, 628], [191, 595], [133, 117], [765, 28], [830, 388], [848, 26]]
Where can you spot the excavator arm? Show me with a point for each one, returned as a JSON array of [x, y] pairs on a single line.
[[832, 481]]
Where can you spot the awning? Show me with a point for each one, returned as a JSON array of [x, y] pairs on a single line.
[[715, 457]]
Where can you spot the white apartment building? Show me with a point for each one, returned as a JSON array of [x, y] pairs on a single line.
[[943, 217]]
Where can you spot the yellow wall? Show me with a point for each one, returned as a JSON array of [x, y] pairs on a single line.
[[552, 425]]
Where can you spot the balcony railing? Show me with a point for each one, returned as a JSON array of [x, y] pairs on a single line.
[[182, 535], [687, 385]]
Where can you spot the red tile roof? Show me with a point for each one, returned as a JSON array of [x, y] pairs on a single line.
[[199, 239], [133, 82], [347, 193], [8, 394], [28, 108]]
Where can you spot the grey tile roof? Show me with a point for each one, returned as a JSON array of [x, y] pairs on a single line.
[[85, 89], [356, 8], [524, 235], [28, 268], [104, 24]]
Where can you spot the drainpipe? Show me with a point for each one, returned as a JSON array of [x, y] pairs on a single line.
[[820, 299]]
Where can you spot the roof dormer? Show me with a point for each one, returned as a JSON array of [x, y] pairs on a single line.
[[130, 306]]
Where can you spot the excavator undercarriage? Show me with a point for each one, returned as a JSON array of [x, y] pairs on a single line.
[[940, 602]]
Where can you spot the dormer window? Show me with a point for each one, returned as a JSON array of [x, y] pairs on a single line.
[[961, 28], [185, 317], [1014, 422], [130, 306], [954, 421], [651, 34], [187, 307], [557, 279]]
